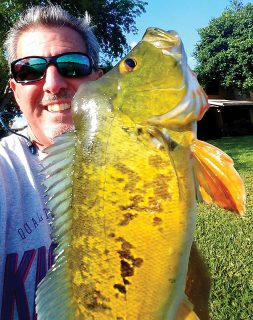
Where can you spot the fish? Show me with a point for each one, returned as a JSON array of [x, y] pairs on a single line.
[[122, 188]]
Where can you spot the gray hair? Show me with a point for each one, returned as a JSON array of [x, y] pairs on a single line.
[[51, 15]]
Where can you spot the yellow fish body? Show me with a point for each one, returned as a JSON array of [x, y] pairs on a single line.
[[122, 191]]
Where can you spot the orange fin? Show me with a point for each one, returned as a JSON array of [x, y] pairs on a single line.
[[216, 178], [185, 311]]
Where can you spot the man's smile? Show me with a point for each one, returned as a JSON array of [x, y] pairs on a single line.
[[58, 107]]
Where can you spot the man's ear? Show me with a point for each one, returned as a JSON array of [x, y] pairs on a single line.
[[99, 73], [13, 86]]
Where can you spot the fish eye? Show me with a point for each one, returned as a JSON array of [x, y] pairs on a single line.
[[127, 65], [130, 63]]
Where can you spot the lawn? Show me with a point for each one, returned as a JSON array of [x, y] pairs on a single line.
[[226, 242]]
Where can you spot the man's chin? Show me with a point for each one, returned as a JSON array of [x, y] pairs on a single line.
[[45, 137], [51, 133]]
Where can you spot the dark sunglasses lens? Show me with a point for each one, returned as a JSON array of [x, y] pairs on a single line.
[[29, 69], [74, 65]]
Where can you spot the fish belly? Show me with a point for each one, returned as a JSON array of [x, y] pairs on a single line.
[[133, 221]]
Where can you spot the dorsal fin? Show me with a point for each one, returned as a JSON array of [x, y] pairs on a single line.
[[53, 298]]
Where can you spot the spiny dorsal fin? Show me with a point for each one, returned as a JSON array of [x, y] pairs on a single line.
[[53, 296]]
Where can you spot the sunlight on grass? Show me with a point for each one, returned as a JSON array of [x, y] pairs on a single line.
[[226, 242]]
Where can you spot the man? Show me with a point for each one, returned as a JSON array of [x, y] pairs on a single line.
[[43, 89]]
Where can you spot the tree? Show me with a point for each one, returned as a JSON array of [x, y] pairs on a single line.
[[111, 19], [224, 53]]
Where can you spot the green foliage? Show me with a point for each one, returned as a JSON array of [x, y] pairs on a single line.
[[111, 19], [225, 241], [224, 53]]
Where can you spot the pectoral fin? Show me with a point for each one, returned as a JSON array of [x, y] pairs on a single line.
[[216, 178], [185, 311]]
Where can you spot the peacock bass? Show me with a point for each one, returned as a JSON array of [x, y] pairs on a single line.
[[122, 189]]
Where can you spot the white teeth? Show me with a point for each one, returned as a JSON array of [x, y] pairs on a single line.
[[58, 107]]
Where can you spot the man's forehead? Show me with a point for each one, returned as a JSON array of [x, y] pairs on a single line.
[[49, 40]]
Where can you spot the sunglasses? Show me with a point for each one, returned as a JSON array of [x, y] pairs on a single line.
[[33, 68]]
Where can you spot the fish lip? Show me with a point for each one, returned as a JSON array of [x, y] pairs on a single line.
[[169, 41], [160, 32]]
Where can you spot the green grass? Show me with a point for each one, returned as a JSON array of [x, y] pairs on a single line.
[[226, 242]]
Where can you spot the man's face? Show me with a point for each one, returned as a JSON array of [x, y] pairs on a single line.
[[46, 103]]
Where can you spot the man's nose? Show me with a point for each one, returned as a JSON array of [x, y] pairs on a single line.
[[54, 81]]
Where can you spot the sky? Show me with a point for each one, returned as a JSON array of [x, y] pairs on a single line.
[[183, 16]]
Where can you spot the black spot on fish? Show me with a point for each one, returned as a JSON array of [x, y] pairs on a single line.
[[161, 187], [126, 207], [127, 218], [111, 235], [157, 221], [120, 239], [125, 254], [135, 204], [154, 204], [126, 269], [132, 177], [120, 287], [128, 262], [155, 161], [137, 262], [136, 198], [97, 302], [139, 131], [126, 245]]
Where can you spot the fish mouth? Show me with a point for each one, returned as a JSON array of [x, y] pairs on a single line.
[[164, 40]]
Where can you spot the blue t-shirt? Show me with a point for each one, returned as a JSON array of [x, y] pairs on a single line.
[[25, 243]]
